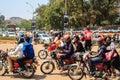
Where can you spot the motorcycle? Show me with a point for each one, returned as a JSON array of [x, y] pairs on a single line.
[[48, 65], [80, 69], [28, 72], [42, 54]]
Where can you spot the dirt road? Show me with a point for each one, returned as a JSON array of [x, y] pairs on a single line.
[[56, 75]]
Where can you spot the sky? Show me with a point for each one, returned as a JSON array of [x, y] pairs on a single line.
[[19, 8]]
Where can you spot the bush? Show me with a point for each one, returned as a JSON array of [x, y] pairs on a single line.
[[105, 22], [7, 38]]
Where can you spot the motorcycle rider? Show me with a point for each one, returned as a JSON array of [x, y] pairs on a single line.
[[113, 60], [67, 51], [108, 46], [17, 53], [78, 46], [95, 59], [21, 60]]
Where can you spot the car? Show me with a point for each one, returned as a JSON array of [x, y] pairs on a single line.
[[11, 34], [4, 34], [44, 38], [21, 32]]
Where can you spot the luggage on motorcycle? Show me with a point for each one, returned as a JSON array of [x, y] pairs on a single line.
[[51, 47], [107, 55], [28, 50], [99, 66]]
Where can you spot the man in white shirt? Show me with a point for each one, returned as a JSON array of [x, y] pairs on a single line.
[[17, 53]]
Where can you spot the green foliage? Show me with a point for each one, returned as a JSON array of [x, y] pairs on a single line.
[[7, 38], [105, 22], [25, 24], [81, 13], [117, 22]]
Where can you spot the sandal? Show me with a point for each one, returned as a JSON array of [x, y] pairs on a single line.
[[104, 76], [112, 75]]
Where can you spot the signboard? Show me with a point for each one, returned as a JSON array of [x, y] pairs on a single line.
[[66, 16]]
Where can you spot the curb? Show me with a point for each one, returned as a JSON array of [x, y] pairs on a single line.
[[7, 41]]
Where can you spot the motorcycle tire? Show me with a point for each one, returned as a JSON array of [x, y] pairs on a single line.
[[48, 65], [42, 54], [75, 75], [3, 69], [29, 71]]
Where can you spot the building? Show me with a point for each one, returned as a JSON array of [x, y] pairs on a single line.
[[15, 20]]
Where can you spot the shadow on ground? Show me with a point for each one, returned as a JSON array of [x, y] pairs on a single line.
[[35, 77]]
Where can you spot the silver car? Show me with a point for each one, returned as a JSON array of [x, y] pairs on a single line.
[[44, 38]]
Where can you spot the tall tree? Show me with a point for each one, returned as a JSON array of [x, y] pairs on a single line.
[[81, 13]]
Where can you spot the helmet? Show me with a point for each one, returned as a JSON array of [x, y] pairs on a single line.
[[58, 42]]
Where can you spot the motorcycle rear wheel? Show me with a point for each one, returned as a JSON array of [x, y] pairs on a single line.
[[29, 72]]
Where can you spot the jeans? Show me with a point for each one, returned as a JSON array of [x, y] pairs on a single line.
[[92, 61]]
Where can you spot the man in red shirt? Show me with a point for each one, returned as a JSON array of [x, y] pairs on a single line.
[[88, 41]]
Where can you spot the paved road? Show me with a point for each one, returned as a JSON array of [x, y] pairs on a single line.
[[56, 75]]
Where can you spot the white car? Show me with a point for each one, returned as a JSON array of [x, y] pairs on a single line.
[[11, 34], [44, 38]]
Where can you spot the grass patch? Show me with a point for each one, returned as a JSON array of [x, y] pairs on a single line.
[[7, 38]]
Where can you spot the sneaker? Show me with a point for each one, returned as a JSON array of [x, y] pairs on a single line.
[[92, 73]]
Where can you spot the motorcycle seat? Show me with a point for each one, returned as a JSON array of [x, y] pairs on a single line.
[[28, 61]]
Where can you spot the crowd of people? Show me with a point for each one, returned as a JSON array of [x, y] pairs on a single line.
[[106, 52], [72, 44]]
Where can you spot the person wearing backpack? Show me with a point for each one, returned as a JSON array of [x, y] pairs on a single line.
[[28, 52], [17, 53]]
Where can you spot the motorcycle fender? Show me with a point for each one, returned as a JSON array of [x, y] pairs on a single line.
[[73, 65], [28, 64], [47, 60], [1, 65]]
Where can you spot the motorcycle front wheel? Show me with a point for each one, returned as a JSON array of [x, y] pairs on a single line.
[[42, 54], [74, 73], [47, 67]]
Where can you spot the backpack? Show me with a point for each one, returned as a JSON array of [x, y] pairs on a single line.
[[28, 50]]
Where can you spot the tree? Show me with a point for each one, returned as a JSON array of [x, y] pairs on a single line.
[[81, 13], [25, 24], [2, 18]]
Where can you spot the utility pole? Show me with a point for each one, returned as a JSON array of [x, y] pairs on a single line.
[[65, 6], [66, 17], [33, 20], [32, 9]]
